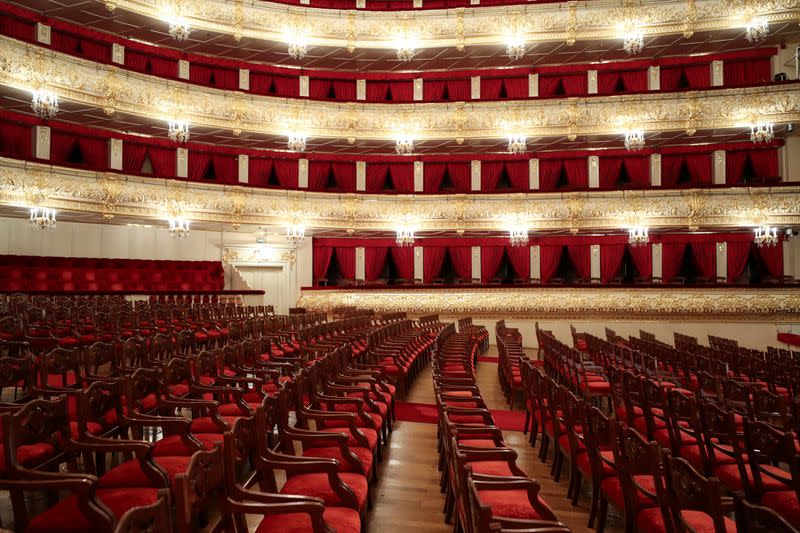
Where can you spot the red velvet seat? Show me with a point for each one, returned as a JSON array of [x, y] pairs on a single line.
[[784, 503], [492, 468], [318, 486], [339, 519], [363, 454], [172, 445], [509, 503], [612, 488], [729, 476], [29, 455], [130, 474]]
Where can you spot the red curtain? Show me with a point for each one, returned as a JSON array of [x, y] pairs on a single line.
[[377, 91], [738, 252], [346, 259], [735, 160], [581, 258], [638, 170], [64, 42], [162, 66], [95, 152], [548, 85], [402, 175], [642, 257], [260, 169], [432, 261], [699, 166], [345, 175], [95, 50], [374, 262], [401, 91], [607, 81], [318, 172], [765, 163], [490, 88], [516, 87], [344, 89], [198, 164], [61, 146], [461, 174], [376, 176], [285, 86], [671, 260], [432, 174], [404, 261], [575, 84], [670, 169], [610, 168], [705, 257], [163, 161], [577, 173], [519, 175], [16, 140], [490, 174], [610, 261], [491, 257], [322, 260], [199, 73], [549, 172], [520, 259], [319, 88], [772, 256], [136, 61], [287, 172], [461, 258], [225, 78], [669, 77], [133, 157], [747, 72], [634, 80], [17, 28], [226, 168], [698, 76], [260, 82], [549, 258], [433, 90], [459, 90]]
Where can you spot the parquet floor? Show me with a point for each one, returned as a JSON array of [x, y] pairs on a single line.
[[407, 498]]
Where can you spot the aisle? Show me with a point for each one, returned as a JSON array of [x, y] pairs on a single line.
[[407, 497]]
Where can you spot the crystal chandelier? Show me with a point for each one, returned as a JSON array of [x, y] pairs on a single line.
[[178, 227], [179, 29], [295, 234], [178, 131], [44, 103], [43, 218], [515, 47], [518, 236], [634, 140], [516, 144], [633, 42], [766, 236], [297, 142], [638, 236], [405, 53], [404, 145], [405, 236], [757, 30], [762, 132], [297, 48]]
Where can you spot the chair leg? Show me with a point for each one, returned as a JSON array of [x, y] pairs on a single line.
[[602, 512], [595, 502]]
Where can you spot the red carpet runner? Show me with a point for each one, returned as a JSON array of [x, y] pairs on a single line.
[[426, 413], [488, 359]]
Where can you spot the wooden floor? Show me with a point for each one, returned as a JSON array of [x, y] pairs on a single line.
[[407, 496]]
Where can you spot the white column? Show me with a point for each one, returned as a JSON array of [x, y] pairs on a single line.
[[41, 142], [476, 262], [182, 162], [419, 181], [360, 264], [42, 33], [594, 253], [591, 81], [655, 170], [474, 2], [654, 78], [118, 54], [594, 171], [305, 2], [361, 4], [717, 77], [656, 251], [361, 89], [475, 87], [536, 262], [183, 69], [533, 85], [244, 79], [361, 175], [244, 168], [417, 4], [418, 262], [533, 174], [417, 89], [115, 154], [722, 260], [719, 167], [304, 86], [476, 176], [789, 268], [302, 173]]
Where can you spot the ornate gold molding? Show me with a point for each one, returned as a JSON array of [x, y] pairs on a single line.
[[702, 304], [27, 184], [567, 22], [111, 89]]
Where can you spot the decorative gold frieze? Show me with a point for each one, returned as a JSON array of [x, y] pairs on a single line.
[[728, 304], [113, 89]]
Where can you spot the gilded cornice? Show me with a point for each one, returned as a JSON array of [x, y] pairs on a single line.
[[702, 304], [566, 21], [111, 194], [116, 90]]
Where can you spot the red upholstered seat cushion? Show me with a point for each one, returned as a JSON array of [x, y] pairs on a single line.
[[174, 445], [478, 443], [598, 387], [339, 519], [467, 419], [784, 502], [650, 520], [612, 488], [509, 503], [205, 424], [369, 433], [29, 455], [318, 486], [364, 457], [730, 477], [584, 464], [232, 409], [700, 522], [93, 428], [130, 473], [492, 468], [377, 422], [622, 414], [66, 517]]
